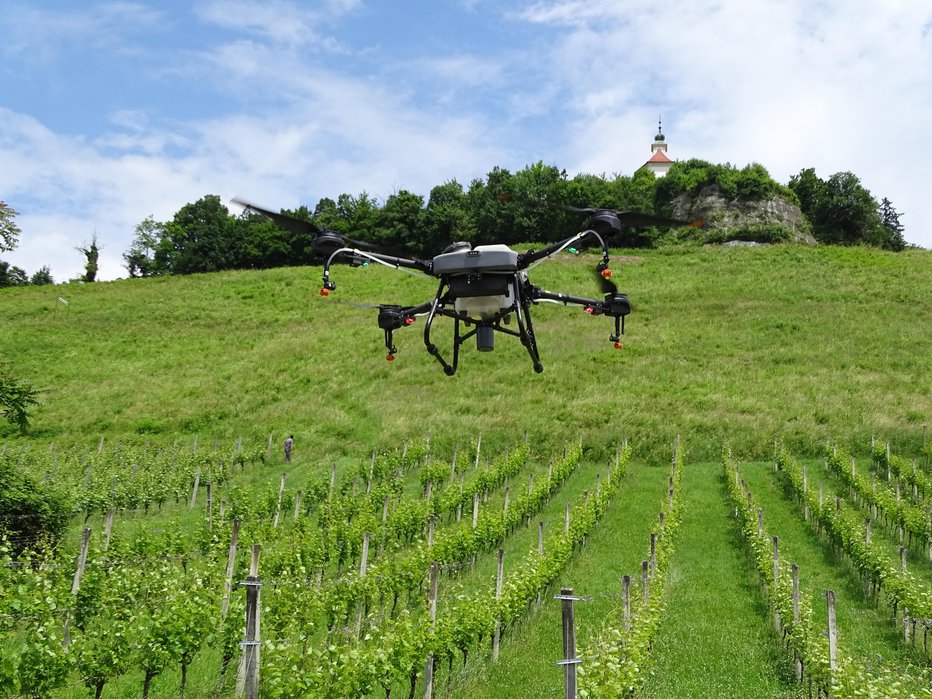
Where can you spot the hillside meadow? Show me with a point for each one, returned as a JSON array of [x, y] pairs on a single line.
[[738, 345]]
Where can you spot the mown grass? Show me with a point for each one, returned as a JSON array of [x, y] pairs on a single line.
[[715, 605], [741, 344], [865, 624], [726, 345]]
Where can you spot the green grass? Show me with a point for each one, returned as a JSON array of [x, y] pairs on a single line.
[[714, 595], [725, 345], [736, 344], [865, 624]]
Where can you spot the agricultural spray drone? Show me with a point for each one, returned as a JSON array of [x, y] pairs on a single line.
[[483, 287]]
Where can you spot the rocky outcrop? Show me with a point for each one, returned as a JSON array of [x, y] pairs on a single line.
[[768, 220]]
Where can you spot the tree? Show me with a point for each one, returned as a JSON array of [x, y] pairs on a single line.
[[9, 231], [840, 209], [91, 253], [16, 399], [400, 221], [890, 220], [446, 218], [140, 258], [12, 275], [200, 238], [42, 277]]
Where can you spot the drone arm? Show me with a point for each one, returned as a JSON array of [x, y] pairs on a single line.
[[614, 305], [387, 260], [528, 258]]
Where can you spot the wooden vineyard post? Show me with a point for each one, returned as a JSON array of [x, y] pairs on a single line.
[[570, 661], [76, 582], [210, 507], [776, 579], [333, 480], [278, 506], [626, 597], [432, 611], [231, 562], [453, 467], [475, 510], [832, 631], [297, 504], [760, 521], [795, 574], [363, 564], [644, 581], [566, 519], [499, 577], [197, 481], [247, 680], [108, 527], [653, 553], [505, 507]]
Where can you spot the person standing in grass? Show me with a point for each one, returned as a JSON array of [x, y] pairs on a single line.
[[288, 444]]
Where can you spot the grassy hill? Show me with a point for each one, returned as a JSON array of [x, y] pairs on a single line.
[[744, 345]]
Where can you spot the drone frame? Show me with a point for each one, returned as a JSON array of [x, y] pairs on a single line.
[[470, 283]]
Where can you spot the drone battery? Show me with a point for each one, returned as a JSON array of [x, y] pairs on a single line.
[[482, 258]]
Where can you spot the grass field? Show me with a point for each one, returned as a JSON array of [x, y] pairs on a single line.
[[725, 346]]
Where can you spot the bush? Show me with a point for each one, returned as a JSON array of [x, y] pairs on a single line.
[[30, 512]]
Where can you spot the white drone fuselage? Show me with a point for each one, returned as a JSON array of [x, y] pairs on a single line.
[[480, 279]]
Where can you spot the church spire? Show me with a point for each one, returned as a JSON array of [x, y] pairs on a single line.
[[659, 140]]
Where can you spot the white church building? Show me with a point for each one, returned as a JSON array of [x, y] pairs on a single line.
[[658, 163]]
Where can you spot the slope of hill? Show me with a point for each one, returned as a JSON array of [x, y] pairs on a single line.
[[740, 345]]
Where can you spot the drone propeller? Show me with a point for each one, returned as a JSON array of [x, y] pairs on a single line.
[[326, 241], [608, 221]]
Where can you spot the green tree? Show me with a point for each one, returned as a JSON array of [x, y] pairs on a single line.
[[890, 220], [9, 231], [400, 221], [446, 218], [91, 254], [42, 277], [200, 238], [140, 258], [16, 399], [12, 275], [840, 209]]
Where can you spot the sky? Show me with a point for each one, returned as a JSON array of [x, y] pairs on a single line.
[[114, 111]]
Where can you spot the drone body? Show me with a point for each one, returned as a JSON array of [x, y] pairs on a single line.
[[482, 288]]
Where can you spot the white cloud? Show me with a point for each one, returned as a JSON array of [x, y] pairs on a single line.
[[293, 106]]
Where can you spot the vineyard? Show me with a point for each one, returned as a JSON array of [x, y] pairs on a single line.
[[427, 571], [735, 504]]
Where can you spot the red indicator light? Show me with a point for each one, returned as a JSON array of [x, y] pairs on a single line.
[[390, 357], [325, 292], [606, 273], [589, 309], [409, 321], [617, 345]]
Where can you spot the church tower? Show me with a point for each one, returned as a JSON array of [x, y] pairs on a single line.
[[659, 163]]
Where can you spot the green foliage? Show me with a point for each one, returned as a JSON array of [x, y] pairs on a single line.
[[12, 275], [843, 212], [9, 231], [16, 399], [31, 512]]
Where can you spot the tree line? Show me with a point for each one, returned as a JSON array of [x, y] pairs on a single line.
[[531, 205]]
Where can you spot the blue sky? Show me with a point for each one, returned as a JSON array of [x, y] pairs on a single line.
[[114, 111]]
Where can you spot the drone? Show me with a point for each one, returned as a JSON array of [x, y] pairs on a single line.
[[481, 287]]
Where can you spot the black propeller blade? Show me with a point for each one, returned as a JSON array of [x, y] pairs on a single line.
[[326, 241], [608, 221]]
